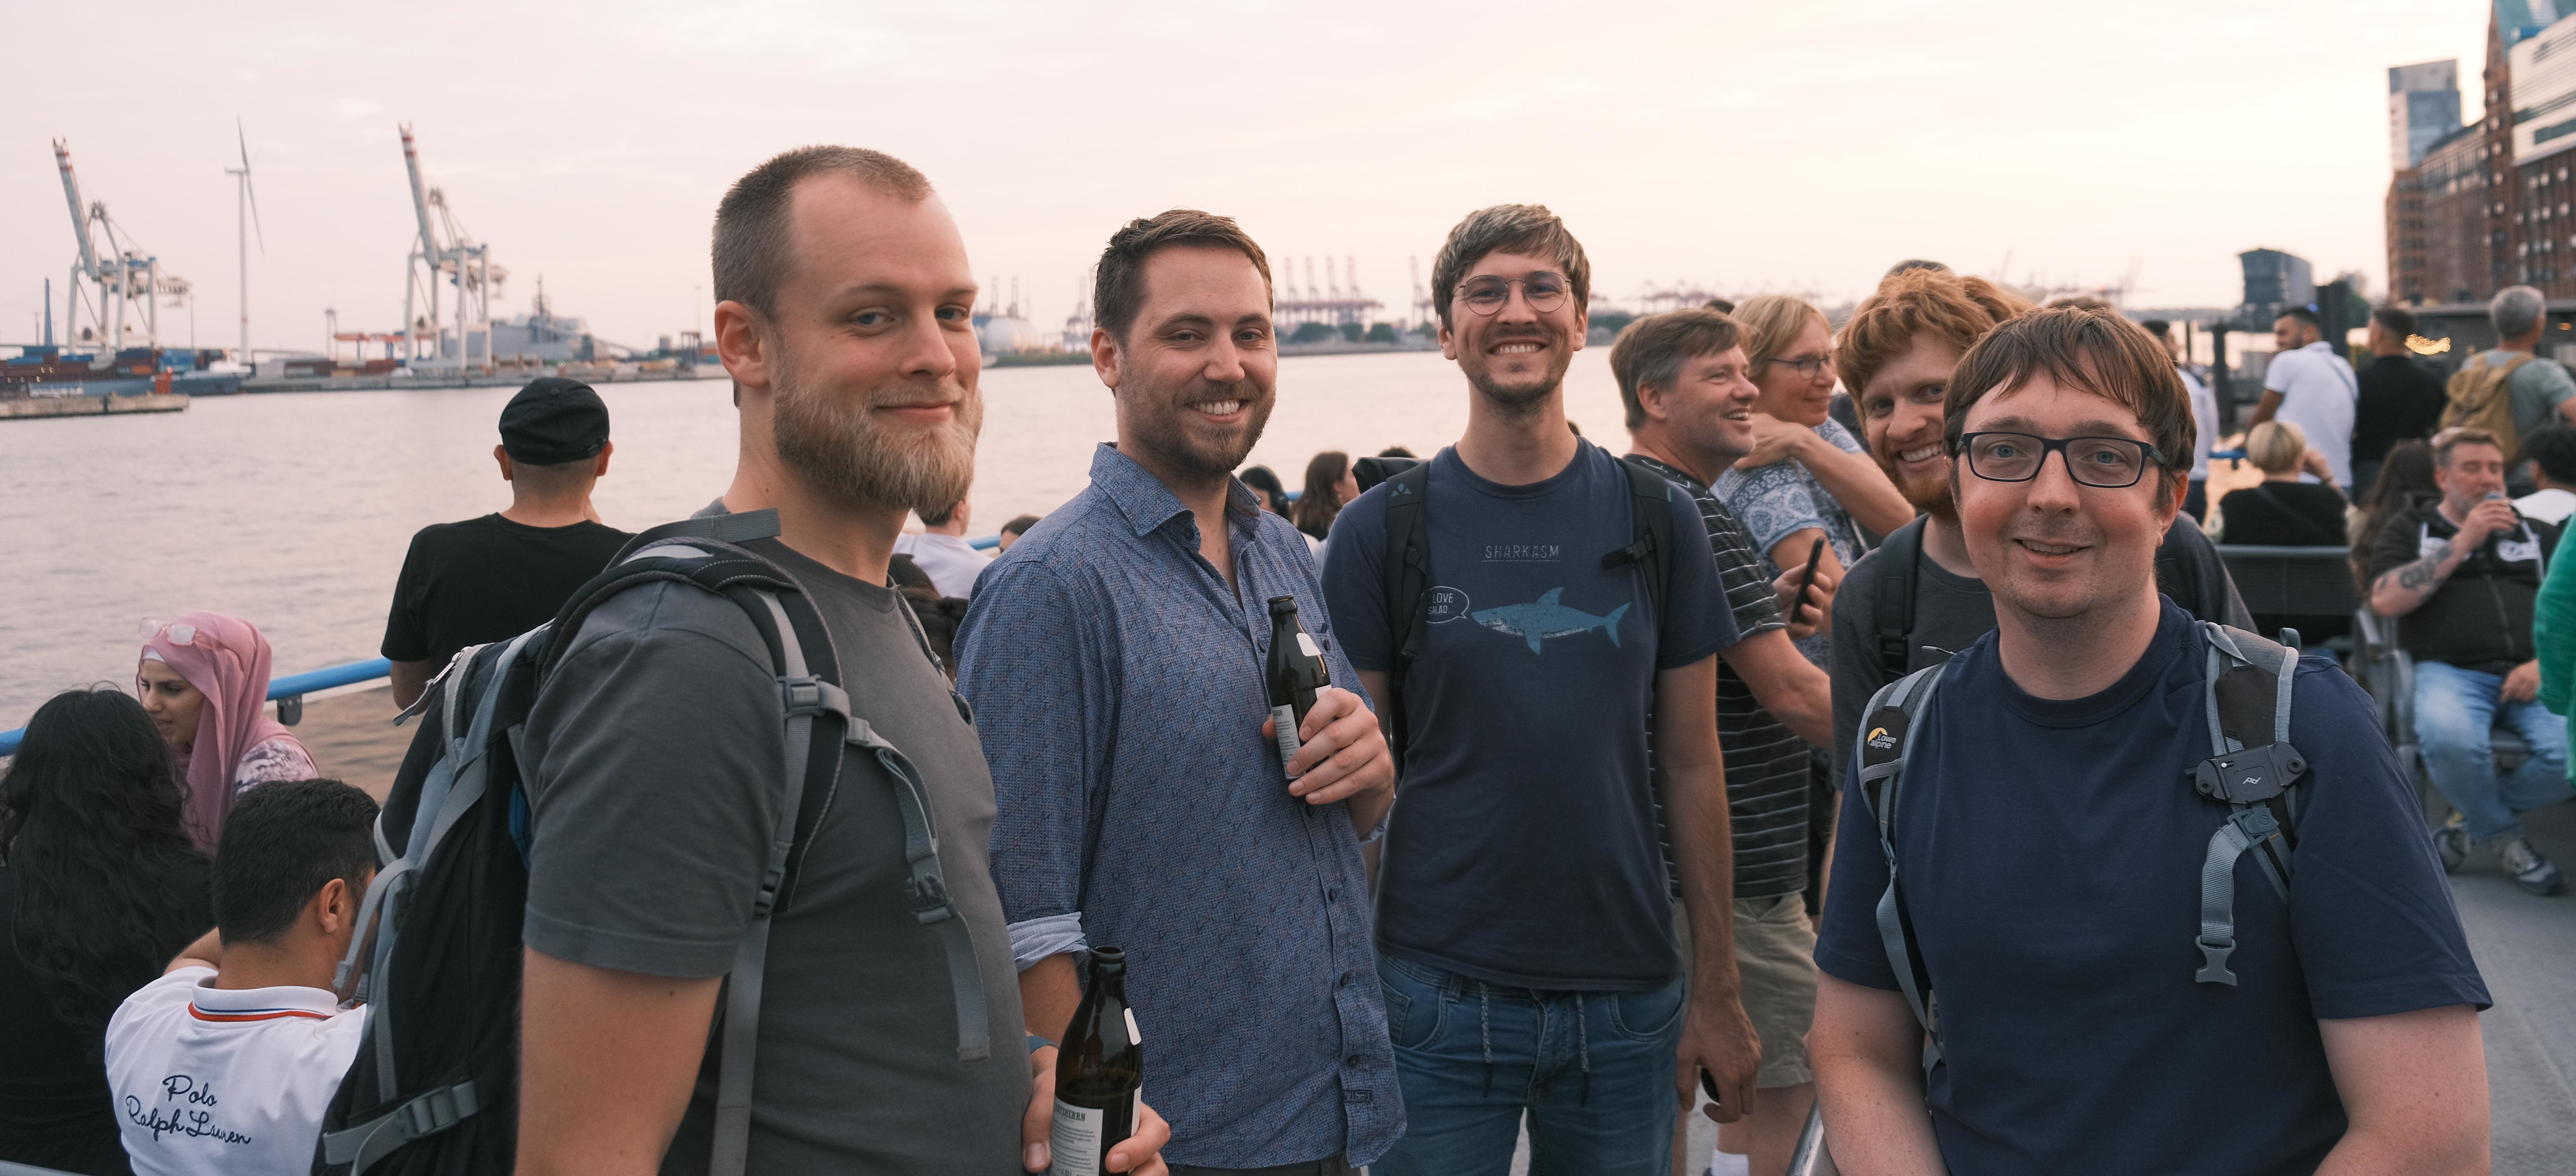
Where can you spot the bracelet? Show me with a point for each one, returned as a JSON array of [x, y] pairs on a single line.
[[1378, 834], [1037, 1043]]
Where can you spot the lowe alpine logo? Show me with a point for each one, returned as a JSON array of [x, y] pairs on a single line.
[[1880, 740]]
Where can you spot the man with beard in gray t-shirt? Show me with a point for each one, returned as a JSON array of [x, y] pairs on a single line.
[[657, 768]]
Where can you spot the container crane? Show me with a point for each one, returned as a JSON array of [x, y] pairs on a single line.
[[445, 258], [119, 277]]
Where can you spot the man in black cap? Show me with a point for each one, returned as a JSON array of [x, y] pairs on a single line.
[[503, 574]]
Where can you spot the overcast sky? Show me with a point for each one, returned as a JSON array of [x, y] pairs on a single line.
[[1745, 147]]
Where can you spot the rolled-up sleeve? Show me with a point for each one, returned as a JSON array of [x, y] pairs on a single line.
[[1026, 661]]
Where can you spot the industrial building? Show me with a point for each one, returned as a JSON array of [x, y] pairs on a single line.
[[2491, 204]]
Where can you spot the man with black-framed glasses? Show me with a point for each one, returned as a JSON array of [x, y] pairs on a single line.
[[1916, 599], [2052, 860]]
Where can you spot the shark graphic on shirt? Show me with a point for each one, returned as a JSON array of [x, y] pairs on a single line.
[[1545, 618]]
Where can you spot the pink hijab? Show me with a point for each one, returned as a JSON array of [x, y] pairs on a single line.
[[226, 659]]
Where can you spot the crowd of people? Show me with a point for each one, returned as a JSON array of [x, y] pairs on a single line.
[[1829, 744]]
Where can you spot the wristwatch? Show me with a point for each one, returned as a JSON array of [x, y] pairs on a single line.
[[1037, 1043]]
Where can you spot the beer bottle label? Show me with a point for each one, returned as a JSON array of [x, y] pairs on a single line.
[[1306, 642], [1284, 719], [1073, 1145]]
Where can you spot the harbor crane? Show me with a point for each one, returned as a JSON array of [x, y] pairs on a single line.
[[445, 259], [106, 283]]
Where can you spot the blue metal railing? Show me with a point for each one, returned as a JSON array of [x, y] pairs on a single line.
[[287, 692]]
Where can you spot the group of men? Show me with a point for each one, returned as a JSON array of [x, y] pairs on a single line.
[[1572, 670]]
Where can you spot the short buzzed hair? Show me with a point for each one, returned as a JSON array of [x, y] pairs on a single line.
[[1515, 228], [2397, 319], [2300, 314], [1118, 292], [751, 237], [282, 844], [1653, 349]]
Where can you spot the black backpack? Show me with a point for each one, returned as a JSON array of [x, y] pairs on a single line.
[[434, 1086], [1405, 572]]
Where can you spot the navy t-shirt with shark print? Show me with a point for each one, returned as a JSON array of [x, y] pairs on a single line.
[[1524, 846]]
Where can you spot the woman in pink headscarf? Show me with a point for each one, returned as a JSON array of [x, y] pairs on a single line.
[[204, 680]]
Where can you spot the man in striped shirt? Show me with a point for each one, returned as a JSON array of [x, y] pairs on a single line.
[[1685, 381]]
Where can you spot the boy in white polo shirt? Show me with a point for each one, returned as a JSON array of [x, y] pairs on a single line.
[[225, 1064]]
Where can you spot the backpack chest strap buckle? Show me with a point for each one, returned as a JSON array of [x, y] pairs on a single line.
[[2251, 776]]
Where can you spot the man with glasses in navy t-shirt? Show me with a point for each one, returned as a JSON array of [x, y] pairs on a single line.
[[1525, 927], [2050, 846]]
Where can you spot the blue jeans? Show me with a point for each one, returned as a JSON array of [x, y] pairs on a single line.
[[2454, 710], [1594, 1071]]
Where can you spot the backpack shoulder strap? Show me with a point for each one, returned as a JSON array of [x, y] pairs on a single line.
[[1650, 533], [814, 701], [723, 528], [2251, 768], [1889, 729], [1899, 560], [1405, 573], [818, 722]]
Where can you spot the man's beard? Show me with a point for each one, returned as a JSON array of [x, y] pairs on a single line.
[[1520, 400], [844, 455], [1161, 425], [1932, 496]]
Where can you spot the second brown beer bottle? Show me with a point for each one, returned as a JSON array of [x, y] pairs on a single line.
[[1099, 1072], [1296, 674]]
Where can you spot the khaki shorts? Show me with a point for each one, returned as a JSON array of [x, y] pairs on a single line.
[[1775, 954]]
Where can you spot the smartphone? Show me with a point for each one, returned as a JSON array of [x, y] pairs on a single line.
[[1807, 582]]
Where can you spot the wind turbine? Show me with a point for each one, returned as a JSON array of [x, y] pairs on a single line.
[[246, 213]]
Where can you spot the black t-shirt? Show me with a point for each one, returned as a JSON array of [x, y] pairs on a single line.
[[2400, 399], [55, 1110], [488, 579], [2283, 514], [2480, 618]]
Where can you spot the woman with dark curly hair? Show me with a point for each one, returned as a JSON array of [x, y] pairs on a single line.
[[99, 888]]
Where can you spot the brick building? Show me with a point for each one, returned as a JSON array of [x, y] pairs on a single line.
[[2492, 204]]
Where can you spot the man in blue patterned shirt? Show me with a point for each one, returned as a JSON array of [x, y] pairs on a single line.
[[1117, 652]]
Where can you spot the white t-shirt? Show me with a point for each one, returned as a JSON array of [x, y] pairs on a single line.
[[951, 562], [214, 1082], [2318, 391], [2549, 506], [2204, 418]]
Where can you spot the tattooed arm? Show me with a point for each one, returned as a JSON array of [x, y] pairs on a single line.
[[2400, 591]]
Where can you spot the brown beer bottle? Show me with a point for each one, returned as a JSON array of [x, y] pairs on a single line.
[[1296, 673], [1099, 1072]]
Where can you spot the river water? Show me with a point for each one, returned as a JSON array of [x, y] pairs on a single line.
[[294, 510]]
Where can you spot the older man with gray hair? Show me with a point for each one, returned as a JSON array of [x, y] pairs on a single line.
[[2512, 391]]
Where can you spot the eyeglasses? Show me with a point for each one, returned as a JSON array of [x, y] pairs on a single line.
[[1807, 367], [2107, 463], [1487, 296]]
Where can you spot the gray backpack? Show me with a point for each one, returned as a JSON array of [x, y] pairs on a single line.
[[435, 1090], [2252, 769]]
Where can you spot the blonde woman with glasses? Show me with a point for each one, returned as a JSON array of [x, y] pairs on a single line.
[[1807, 477]]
